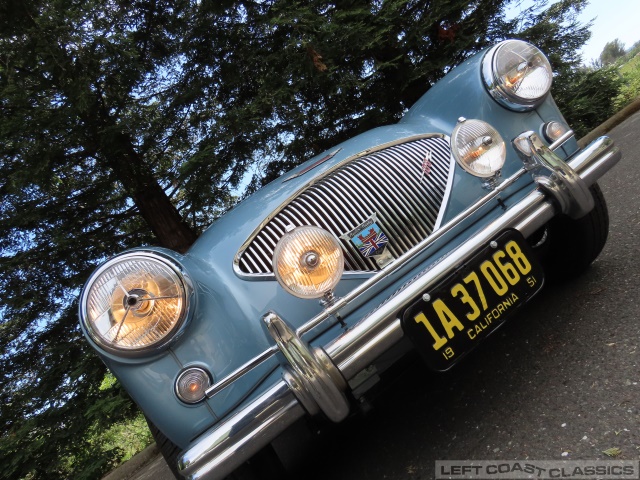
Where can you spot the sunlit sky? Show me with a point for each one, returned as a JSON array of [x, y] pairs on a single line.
[[611, 19]]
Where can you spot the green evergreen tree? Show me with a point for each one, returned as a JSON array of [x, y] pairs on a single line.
[[611, 52], [586, 97], [87, 157], [125, 123]]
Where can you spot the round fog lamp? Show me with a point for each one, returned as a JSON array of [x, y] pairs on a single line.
[[192, 384], [478, 148], [308, 262]]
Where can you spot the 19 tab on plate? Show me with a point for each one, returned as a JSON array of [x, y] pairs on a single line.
[[448, 322]]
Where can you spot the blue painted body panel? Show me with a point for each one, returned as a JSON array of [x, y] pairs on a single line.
[[224, 328]]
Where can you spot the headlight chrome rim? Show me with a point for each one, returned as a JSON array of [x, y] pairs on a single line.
[[139, 308], [494, 78]]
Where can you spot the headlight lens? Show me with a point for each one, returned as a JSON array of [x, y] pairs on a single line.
[[308, 262], [134, 302], [517, 74], [478, 147]]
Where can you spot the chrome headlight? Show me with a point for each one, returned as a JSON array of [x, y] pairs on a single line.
[[517, 75], [134, 302], [308, 262], [478, 147]]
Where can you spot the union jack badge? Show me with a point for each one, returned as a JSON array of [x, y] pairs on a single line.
[[371, 241]]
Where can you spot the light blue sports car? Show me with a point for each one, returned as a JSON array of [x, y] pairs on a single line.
[[427, 234]]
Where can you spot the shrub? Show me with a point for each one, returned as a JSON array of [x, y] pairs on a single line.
[[586, 96]]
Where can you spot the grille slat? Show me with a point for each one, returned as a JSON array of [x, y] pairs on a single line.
[[263, 251], [312, 218], [386, 183], [360, 216], [407, 171], [298, 218], [421, 227], [351, 260], [376, 207], [361, 263]]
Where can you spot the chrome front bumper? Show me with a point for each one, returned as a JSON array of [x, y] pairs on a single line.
[[315, 379]]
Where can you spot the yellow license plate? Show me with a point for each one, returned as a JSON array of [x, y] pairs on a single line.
[[448, 322]]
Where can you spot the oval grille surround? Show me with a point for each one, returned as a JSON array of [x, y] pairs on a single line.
[[389, 183]]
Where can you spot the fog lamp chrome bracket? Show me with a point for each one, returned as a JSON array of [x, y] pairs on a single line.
[[554, 176], [491, 183]]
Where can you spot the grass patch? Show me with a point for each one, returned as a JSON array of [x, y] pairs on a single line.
[[129, 437], [630, 88], [108, 449]]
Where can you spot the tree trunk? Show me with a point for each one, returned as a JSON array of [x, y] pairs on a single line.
[[153, 203], [117, 148]]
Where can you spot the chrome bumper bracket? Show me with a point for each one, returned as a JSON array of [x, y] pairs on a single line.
[[554, 176], [309, 372]]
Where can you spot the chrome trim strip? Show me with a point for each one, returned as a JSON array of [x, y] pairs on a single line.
[[241, 370], [562, 140], [315, 164], [445, 198]]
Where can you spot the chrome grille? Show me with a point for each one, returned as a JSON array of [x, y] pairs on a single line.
[[388, 183]]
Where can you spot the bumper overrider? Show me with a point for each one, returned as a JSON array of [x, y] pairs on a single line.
[[315, 379]]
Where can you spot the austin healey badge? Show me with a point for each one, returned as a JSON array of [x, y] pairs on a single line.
[[371, 241]]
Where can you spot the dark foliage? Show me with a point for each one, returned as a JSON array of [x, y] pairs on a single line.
[[585, 97]]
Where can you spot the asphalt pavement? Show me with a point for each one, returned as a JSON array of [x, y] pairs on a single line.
[[560, 381]]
